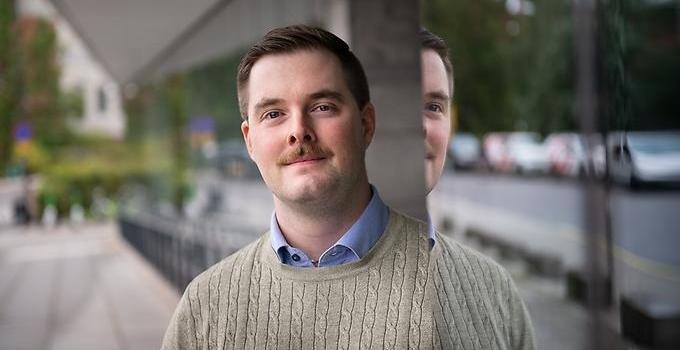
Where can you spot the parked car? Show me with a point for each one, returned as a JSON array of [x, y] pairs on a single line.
[[526, 153], [573, 154], [643, 158], [464, 151], [495, 152], [566, 154]]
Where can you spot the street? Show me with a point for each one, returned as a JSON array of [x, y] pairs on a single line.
[[546, 215]]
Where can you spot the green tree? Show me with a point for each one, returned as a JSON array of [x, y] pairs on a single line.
[[40, 98], [511, 71], [8, 83], [174, 96], [641, 70], [472, 29]]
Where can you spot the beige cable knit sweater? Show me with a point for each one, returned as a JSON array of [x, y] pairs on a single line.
[[401, 295]]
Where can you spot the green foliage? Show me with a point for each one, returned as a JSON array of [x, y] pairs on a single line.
[[71, 103], [641, 69], [211, 91], [8, 82], [174, 100], [39, 81], [90, 163], [511, 71], [515, 71], [162, 110], [472, 30]]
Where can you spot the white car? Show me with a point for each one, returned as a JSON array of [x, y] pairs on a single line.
[[639, 158], [526, 153], [465, 151]]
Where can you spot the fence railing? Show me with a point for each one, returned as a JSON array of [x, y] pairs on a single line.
[[180, 249]]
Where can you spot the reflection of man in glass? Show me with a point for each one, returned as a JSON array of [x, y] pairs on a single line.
[[437, 91], [338, 267]]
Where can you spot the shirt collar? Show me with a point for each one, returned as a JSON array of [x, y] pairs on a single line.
[[360, 237]]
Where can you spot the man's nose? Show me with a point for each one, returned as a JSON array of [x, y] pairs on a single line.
[[301, 130]]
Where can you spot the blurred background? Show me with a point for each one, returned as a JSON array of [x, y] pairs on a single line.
[[123, 173]]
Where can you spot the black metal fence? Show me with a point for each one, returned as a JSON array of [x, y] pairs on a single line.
[[180, 249]]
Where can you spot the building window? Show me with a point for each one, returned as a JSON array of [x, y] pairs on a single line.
[[101, 99]]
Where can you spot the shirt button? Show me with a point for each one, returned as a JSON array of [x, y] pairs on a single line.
[[296, 257], [334, 253]]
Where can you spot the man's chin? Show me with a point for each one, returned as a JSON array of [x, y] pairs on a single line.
[[307, 191], [431, 177]]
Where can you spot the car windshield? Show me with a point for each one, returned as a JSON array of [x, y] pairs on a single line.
[[525, 139], [656, 144]]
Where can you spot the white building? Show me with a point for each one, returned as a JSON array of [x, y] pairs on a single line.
[[80, 71]]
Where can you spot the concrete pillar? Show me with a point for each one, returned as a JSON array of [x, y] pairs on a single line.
[[384, 35]]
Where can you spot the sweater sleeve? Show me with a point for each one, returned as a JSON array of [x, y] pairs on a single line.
[[521, 332], [181, 332]]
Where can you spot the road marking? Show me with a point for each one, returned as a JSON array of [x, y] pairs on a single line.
[[525, 231]]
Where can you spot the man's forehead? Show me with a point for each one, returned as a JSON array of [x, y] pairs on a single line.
[[299, 74], [436, 80]]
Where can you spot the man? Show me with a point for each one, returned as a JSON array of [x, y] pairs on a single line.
[[437, 90], [338, 269]]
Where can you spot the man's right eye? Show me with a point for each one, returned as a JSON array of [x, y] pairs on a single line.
[[272, 115]]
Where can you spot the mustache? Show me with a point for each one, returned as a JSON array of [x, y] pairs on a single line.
[[304, 150]]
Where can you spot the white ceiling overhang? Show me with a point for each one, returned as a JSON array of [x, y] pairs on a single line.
[[139, 40]]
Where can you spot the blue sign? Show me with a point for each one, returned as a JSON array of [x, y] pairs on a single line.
[[22, 132]]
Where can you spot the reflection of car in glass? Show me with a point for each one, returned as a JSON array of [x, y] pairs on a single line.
[[639, 158], [495, 152], [464, 151], [526, 153], [566, 154]]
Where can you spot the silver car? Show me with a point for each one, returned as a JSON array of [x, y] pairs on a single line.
[[641, 158]]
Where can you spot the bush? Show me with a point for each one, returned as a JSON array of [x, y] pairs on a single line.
[[77, 171]]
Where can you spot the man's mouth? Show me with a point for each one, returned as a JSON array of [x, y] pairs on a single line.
[[305, 159], [305, 154]]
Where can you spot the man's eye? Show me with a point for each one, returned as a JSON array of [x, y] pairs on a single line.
[[272, 115], [432, 107], [322, 108]]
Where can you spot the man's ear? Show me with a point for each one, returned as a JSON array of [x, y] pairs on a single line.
[[245, 130], [368, 123]]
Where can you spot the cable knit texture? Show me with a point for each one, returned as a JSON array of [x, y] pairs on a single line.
[[401, 295]]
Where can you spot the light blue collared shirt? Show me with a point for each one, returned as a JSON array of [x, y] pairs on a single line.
[[352, 246]]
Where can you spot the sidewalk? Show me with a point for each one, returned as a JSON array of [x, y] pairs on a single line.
[[78, 289]]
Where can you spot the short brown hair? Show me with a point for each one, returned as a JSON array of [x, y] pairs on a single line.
[[430, 41], [301, 37]]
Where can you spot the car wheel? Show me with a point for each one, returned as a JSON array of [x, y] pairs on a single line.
[[635, 183]]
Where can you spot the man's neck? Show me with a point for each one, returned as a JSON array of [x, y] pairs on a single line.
[[313, 230]]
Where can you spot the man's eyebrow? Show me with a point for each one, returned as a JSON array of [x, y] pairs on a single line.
[[267, 102], [326, 93], [437, 95]]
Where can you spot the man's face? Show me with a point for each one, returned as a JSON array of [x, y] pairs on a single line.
[[304, 130], [436, 115]]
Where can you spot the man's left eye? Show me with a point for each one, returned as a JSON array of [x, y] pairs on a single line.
[[322, 108], [434, 108]]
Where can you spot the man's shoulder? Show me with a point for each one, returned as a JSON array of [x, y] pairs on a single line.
[[464, 261], [463, 273]]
